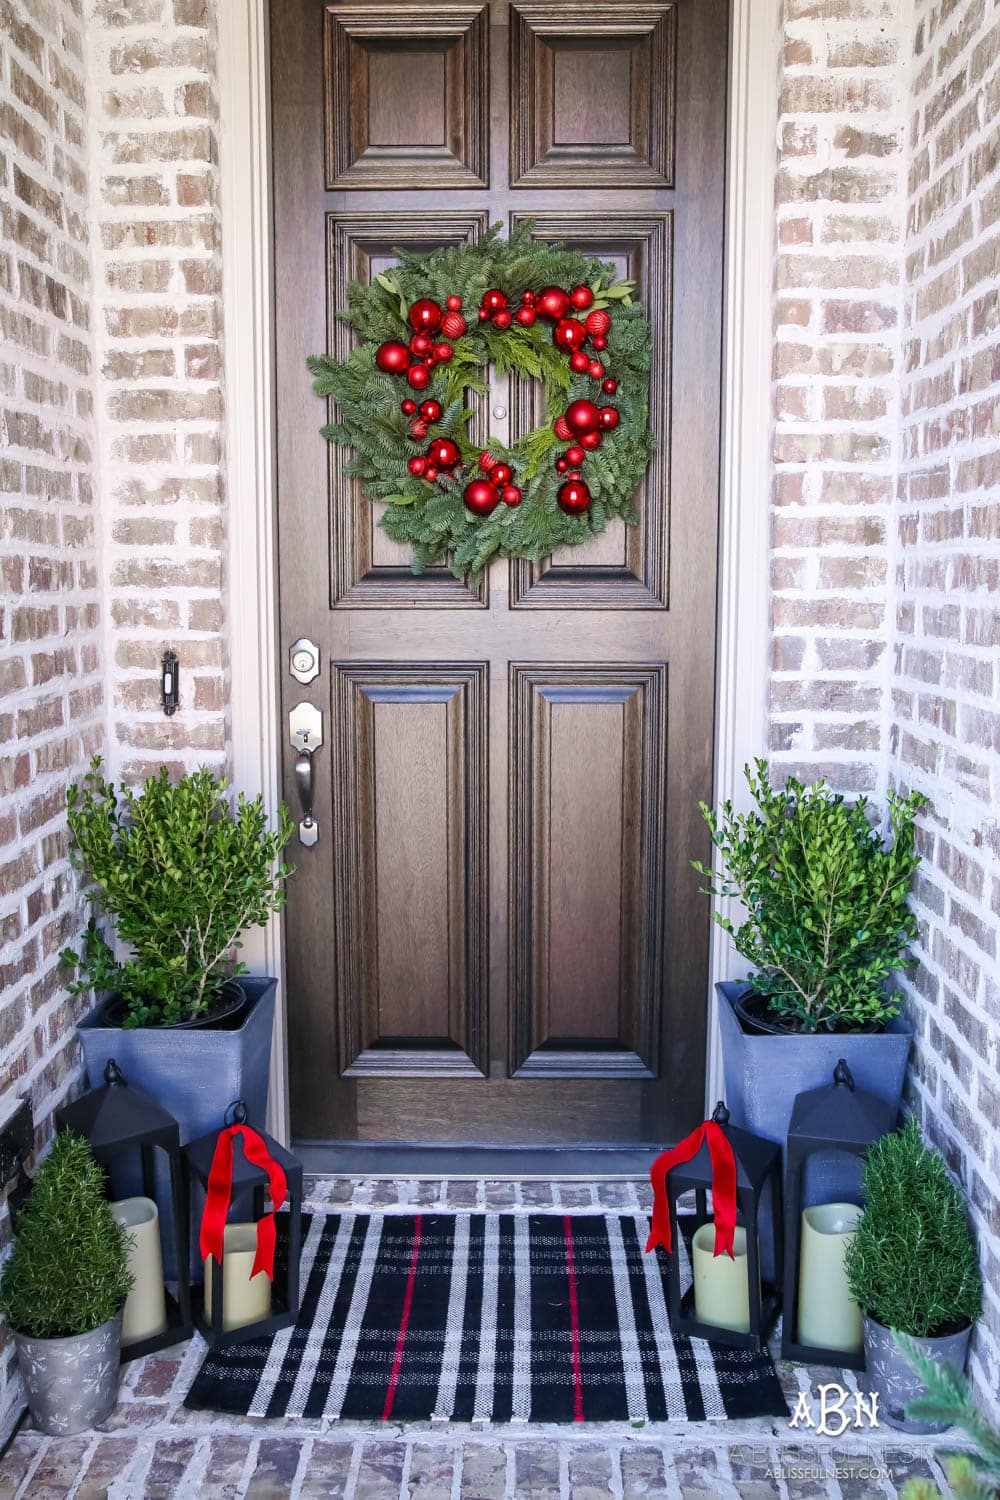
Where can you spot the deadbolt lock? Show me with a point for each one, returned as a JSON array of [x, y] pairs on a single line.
[[305, 727], [303, 660]]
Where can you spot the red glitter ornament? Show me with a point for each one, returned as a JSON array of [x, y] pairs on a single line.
[[452, 325], [598, 321], [481, 497], [418, 376], [599, 341], [453, 303], [573, 497], [443, 353], [569, 334], [578, 362], [392, 358], [590, 441], [595, 369], [444, 453], [502, 319], [581, 297], [430, 410], [528, 296], [609, 417], [511, 495], [421, 343], [430, 473], [582, 416], [501, 473], [526, 316], [574, 456], [552, 303], [418, 430], [425, 315]]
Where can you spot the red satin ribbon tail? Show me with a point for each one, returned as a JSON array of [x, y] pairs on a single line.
[[723, 1189], [660, 1231], [218, 1197]]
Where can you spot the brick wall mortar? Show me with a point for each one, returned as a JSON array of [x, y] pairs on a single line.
[[51, 663], [945, 705], [159, 340]]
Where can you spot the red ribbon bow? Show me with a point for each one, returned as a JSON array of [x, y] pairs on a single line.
[[723, 1187], [220, 1191]]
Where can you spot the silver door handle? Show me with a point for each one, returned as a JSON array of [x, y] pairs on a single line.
[[308, 830]]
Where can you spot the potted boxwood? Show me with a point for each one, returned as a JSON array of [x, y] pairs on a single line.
[[180, 874], [826, 924], [913, 1270], [63, 1289]]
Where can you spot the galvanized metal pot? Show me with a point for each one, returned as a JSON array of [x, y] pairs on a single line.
[[894, 1380], [72, 1384]]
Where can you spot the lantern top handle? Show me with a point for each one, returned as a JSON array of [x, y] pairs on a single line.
[[842, 1074], [113, 1073], [238, 1110], [720, 1114]]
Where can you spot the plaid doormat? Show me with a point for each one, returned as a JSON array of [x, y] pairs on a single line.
[[502, 1317]]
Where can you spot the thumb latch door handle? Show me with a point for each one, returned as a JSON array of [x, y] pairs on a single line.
[[308, 830]]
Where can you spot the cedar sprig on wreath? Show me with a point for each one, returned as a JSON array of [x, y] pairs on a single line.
[[427, 332]]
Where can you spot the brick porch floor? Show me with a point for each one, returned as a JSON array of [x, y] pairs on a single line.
[[153, 1449]]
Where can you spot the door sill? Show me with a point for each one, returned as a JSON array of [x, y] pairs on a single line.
[[366, 1159]]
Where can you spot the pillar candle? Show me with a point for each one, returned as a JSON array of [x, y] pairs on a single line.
[[721, 1285], [245, 1299], [145, 1308], [829, 1317]]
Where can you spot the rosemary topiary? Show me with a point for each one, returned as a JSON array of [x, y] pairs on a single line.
[[912, 1263], [67, 1272], [827, 919], [181, 875]]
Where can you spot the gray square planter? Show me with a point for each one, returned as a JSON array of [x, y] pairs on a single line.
[[764, 1073]]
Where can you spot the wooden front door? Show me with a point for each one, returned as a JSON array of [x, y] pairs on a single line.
[[497, 936]]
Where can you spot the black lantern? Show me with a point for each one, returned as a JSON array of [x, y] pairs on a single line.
[[248, 1204], [827, 1123], [758, 1211], [116, 1120]]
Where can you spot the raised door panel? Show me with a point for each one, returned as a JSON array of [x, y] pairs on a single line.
[[625, 567], [593, 95], [586, 942], [367, 569], [410, 855], [407, 96]]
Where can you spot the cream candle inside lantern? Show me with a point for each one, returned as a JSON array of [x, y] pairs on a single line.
[[245, 1298], [829, 1317], [146, 1307], [721, 1285]]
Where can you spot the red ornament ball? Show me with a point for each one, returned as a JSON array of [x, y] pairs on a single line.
[[502, 319], [421, 343], [526, 316], [494, 301], [392, 358], [452, 324], [408, 407], [444, 453], [483, 314], [590, 441], [595, 369], [425, 315], [501, 474], [561, 466], [599, 341], [528, 296], [552, 303], [582, 416], [510, 495], [419, 377], [581, 297], [610, 386], [573, 497], [443, 353], [481, 497], [453, 303], [418, 430], [609, 417], [569, 334], [562, 429], [598, 321], [417, 465], [430, 473], [487, 461], [430, 410], [574, 456], [578, 362]]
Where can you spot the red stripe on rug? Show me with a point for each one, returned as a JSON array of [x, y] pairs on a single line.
[[574, 1321], [404, 1321]]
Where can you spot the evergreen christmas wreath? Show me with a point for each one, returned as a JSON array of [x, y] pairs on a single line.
[[427, 333]]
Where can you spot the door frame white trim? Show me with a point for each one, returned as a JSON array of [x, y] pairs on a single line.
[[255, 652]]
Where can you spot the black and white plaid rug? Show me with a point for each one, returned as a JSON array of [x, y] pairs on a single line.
[[502, 1317]]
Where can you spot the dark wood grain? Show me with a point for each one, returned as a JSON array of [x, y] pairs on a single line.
[[498, 936]]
